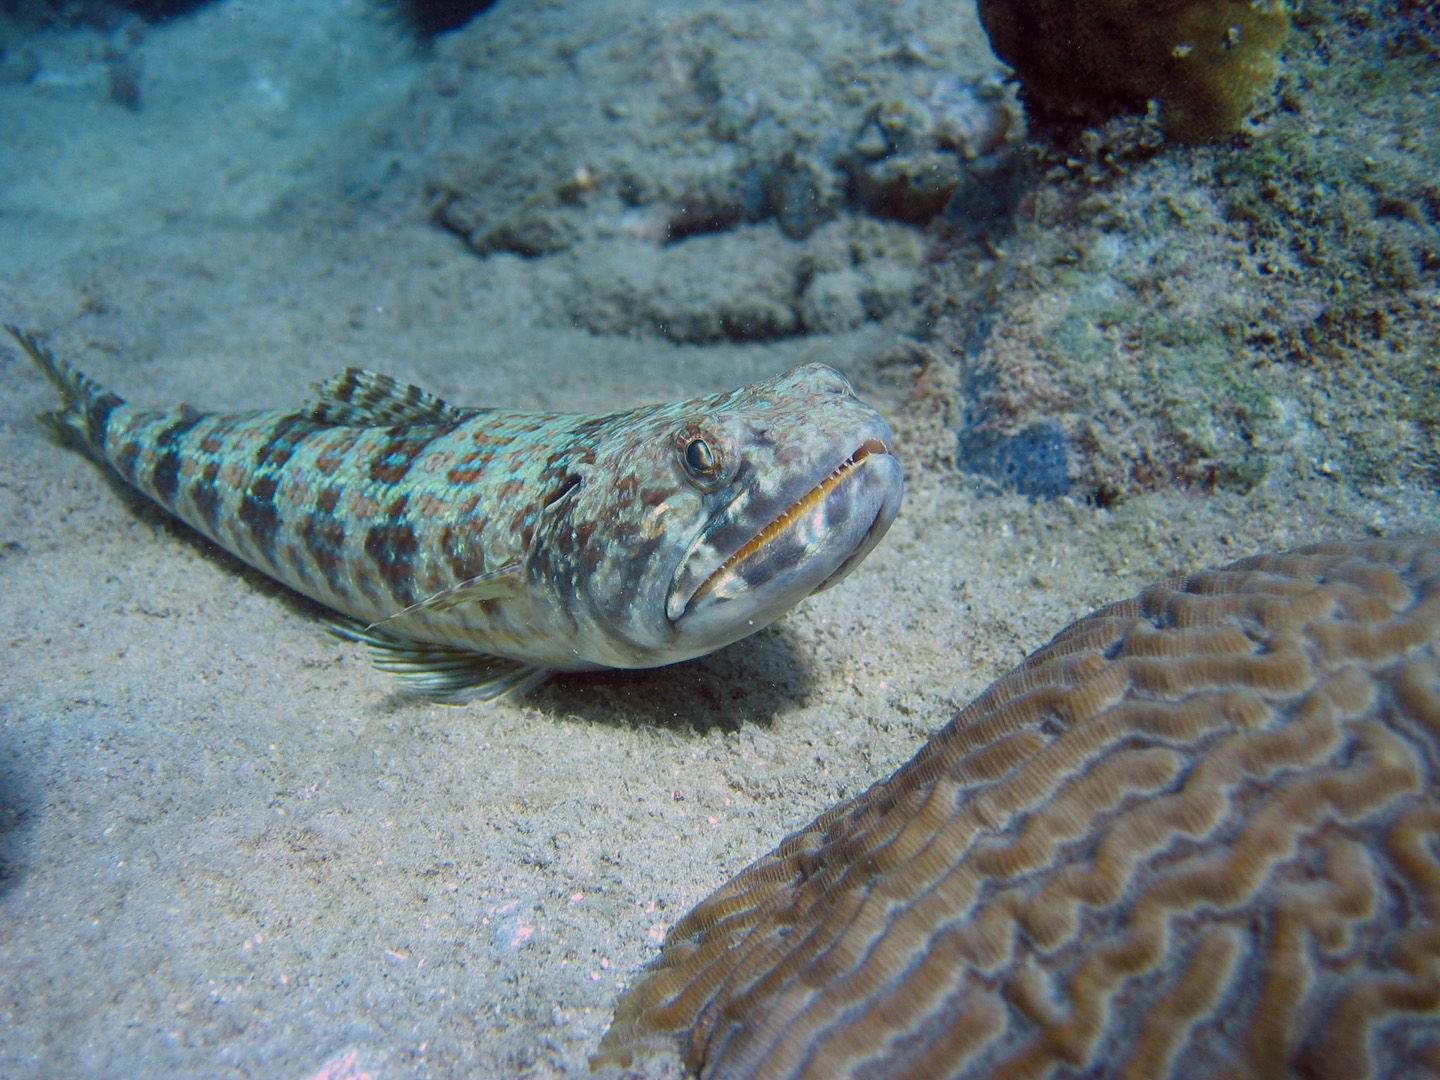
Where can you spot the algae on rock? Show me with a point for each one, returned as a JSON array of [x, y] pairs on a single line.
[[1203, 60], [1223, 317]]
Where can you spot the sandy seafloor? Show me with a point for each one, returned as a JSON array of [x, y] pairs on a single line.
[[229, 848]]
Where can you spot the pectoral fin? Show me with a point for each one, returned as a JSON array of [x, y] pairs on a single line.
[[441, 672], [501, 584]]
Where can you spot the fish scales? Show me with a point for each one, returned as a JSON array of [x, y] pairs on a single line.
[[476, 550], [1195, 836]]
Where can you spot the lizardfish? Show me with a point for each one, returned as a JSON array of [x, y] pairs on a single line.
[[477, 550]]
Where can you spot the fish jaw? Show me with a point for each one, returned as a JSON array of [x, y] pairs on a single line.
[[798, 544]]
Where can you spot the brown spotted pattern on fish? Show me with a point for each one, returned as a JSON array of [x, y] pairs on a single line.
[[1195, 836], [476, 550]]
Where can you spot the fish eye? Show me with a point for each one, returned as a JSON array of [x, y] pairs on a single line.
[[700, 456]]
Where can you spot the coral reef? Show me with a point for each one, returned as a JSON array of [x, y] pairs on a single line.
[[1207, 317], [747, 283], [1203, 60], [702, 132], [1109, 836]]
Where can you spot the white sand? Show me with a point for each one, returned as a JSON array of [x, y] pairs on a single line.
[[229, 848]]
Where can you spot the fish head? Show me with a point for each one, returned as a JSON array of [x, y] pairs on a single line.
[[731, 509]]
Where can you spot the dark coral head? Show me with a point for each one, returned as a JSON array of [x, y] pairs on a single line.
[[1204, 61]]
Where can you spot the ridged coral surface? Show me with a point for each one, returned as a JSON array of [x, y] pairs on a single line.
[[1196, 835]]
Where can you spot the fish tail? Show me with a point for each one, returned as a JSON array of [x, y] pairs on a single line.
[[85, 405]]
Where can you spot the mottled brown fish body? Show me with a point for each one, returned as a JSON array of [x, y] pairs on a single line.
[[1196, 835], [476, 550]]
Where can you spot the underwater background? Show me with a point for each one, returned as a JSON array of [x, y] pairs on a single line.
[[1114, 349]]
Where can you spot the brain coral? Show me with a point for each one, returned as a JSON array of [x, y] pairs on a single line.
[[1195, 836], [1203, 60]]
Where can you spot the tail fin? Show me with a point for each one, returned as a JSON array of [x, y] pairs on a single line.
[[85, 405]]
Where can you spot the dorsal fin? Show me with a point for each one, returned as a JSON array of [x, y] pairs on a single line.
[[359, 398]]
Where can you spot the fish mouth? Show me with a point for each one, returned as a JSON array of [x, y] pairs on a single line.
[[808, 544], [783, 521]]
